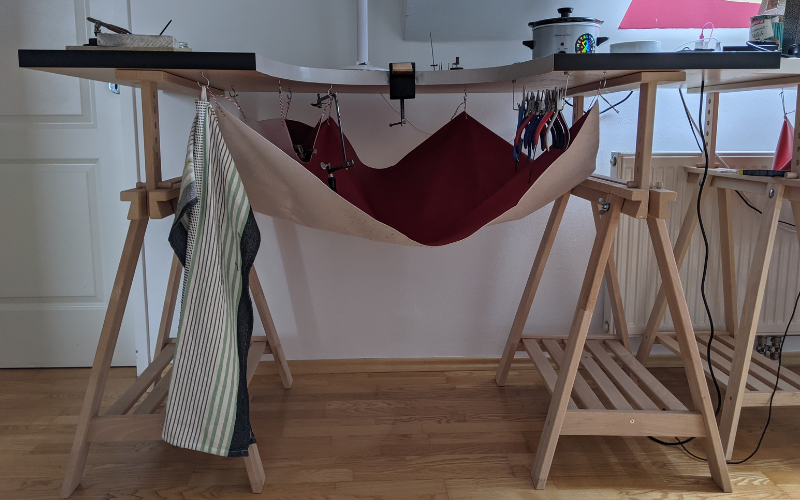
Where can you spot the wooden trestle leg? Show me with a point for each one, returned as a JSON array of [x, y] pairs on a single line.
[[105, 351], [575, 343], [728, 261], [125, 420], [614, 292], [534, 278], [689, 352], [679, 253], [269, 329], [751, 310]]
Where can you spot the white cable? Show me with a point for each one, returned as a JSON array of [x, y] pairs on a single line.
[[701, 40]]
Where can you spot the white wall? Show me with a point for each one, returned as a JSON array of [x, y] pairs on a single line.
[[336, 296]]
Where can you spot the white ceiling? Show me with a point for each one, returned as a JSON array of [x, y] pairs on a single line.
[[474, 20]]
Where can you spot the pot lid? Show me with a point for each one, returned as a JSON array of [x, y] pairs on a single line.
[[565, 18]]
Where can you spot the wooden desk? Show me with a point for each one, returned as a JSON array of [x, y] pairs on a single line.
[[636, 397]]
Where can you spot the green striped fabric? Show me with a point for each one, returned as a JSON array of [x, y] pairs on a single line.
[[213, 208]]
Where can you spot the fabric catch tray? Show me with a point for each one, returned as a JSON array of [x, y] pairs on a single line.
[[457, 181]]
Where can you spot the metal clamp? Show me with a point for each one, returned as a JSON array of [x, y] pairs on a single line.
[[346, 164]]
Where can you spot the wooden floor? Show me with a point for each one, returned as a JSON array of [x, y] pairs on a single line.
[[444, 434]]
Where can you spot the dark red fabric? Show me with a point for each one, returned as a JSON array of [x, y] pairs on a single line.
[[457, 181]]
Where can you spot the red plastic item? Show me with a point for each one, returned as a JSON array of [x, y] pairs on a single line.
[[783, 151]]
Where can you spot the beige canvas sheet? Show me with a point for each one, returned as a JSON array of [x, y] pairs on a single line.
[[279, 186]]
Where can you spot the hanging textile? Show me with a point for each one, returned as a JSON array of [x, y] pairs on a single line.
[[457, 181], [216, 238]]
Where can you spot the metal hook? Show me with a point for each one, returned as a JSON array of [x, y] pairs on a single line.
[[514, 96], [599, 88], [783, 104]]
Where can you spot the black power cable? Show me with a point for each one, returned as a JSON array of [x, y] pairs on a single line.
[[678, 442], [689, 118], [759, 211], [610, 107], [705, 257], [771, 397]]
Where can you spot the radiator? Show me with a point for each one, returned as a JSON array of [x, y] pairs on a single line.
[[636, 266]]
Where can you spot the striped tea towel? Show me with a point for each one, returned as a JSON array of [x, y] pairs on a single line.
[[216, 238]]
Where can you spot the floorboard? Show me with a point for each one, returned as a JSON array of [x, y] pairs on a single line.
[[446, 434]]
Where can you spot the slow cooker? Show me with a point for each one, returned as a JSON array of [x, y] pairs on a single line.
[[565, 35]]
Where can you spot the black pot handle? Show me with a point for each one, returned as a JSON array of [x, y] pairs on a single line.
[[529, 43], [601, 40]]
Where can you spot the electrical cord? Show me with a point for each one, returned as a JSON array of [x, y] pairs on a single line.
[[612, 106], [771, 397], [678, 442], [694, 127], [746, 202], [705, 257]]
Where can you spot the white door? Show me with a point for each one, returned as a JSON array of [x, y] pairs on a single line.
[[64, 157]]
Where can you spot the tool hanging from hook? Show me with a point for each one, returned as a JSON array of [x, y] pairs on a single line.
[[540, 124], [345, 164]]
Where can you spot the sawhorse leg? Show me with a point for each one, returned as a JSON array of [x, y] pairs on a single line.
[[539, 263], [684, 332], [570, 361], [751, 311], [528, 294], [105, 351], [680, 249], [679, 253], [614, 292], [269, 328]]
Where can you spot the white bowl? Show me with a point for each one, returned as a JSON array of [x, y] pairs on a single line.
[[638, 46]]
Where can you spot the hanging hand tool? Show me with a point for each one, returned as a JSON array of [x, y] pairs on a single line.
[[346, 164]]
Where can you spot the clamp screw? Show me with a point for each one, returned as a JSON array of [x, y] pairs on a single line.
[[604, 206]]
